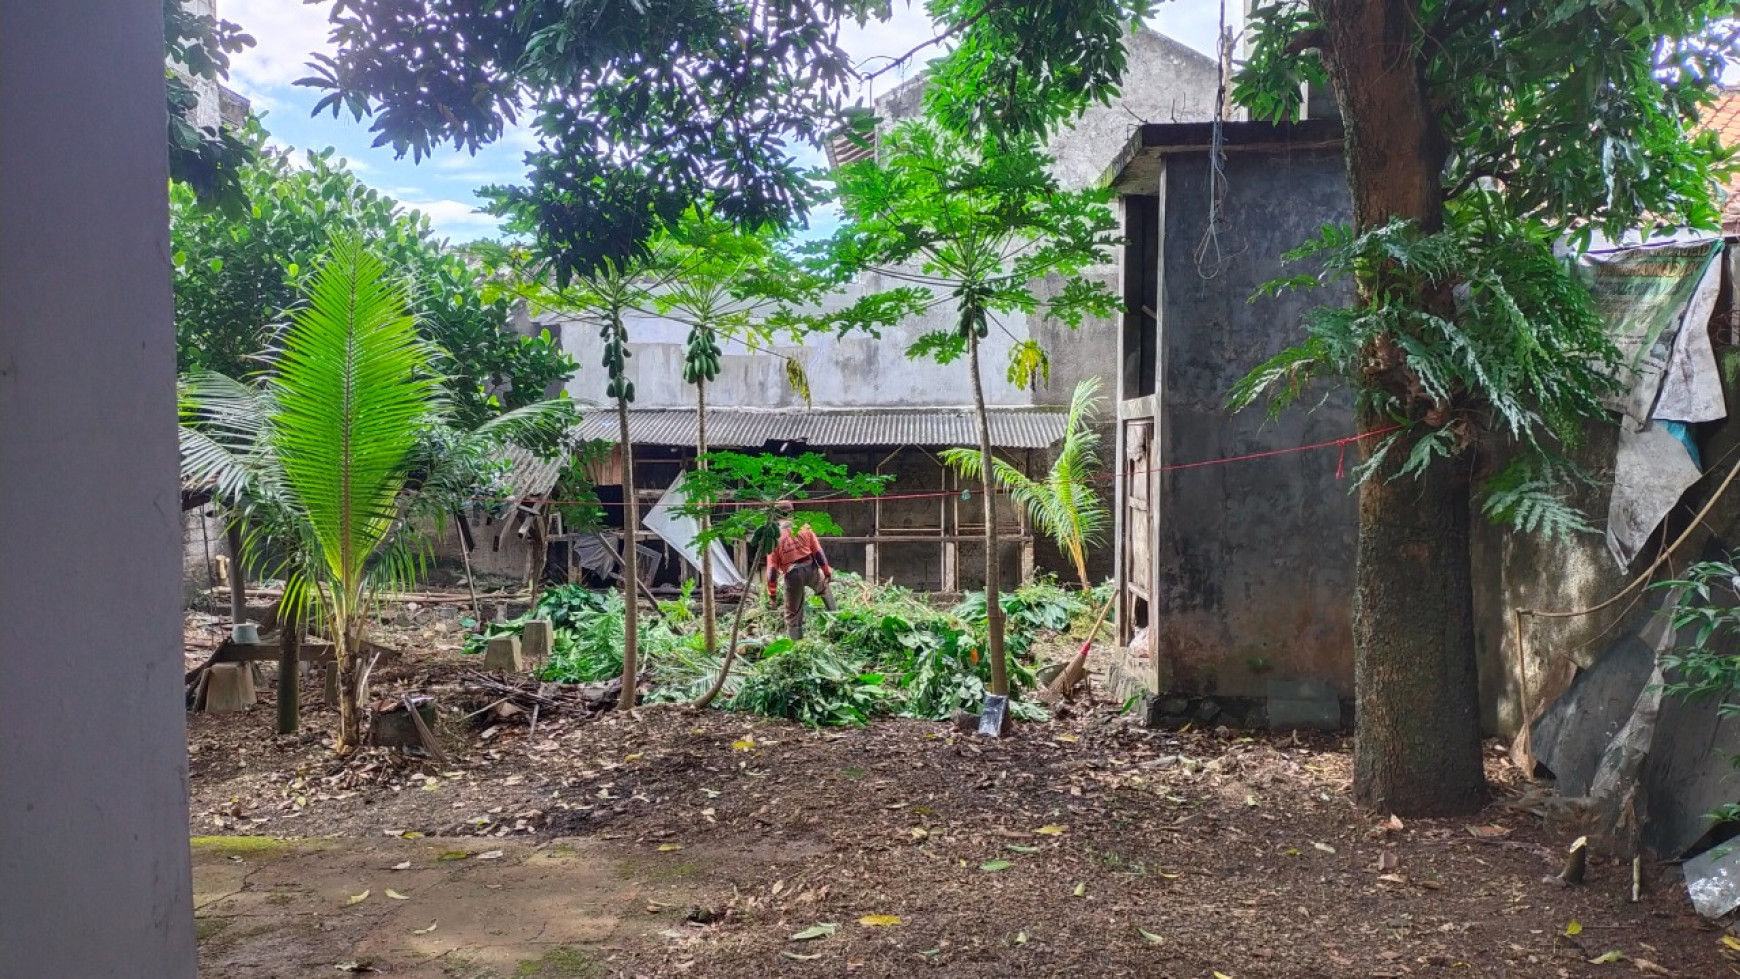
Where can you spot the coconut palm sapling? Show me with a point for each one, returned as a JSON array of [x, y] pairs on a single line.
[[1062, 503]]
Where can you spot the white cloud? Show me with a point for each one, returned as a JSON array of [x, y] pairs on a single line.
[[457, 219], [285, 34]]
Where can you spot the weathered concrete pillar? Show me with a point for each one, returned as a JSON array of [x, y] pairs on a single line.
[[503, 653], [230, 688], [535, 643], [94, 870]]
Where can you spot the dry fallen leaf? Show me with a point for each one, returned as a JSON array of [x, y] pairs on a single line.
[[1608, 958], [746, 743], [1574, 929], [454, 855], [1392, 824], [1067, 738], [1052, 830], [424, 931], [1326, 848], [1393, 879], [491, 855], [395, 895], [1731, 942], [1645, 965], [822, 930], [1081, 889], [1488, 832], [1145, 933], [357, 899], [1387, 861], [879, 920], [919, 832], [795, 957], [667, 847], [405, 865]]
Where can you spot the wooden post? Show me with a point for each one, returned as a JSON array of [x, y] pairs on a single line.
[[289, 670], [238, 577]]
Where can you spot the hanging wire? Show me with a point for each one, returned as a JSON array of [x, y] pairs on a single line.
[[1210, 255]]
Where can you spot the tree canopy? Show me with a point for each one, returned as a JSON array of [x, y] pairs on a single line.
[[641, 110], [205, 159], [235, 277]]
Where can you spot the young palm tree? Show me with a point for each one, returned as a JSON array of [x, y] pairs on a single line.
[[320, 452], [1063, 505], [322, 447]]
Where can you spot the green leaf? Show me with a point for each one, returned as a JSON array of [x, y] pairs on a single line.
[[994, 866], [815, 931]]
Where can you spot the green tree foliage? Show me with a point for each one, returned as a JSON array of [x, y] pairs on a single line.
[[344, 411], [1062, 503], [1024, 69], [235, 276], [206, 160], [642, 110], [736, 497], [972, 226]]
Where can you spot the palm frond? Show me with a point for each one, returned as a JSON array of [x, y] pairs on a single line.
[[353, 388]]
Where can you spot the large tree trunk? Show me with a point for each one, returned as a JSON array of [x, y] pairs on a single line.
[[630, 561], [1417, 750], [993, 567], [709, 609]]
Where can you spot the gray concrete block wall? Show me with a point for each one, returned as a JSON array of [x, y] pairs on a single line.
[[1255, 558]]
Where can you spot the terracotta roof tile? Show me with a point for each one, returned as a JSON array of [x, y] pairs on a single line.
[[1724, 119]]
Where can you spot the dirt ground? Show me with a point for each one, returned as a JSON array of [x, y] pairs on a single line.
[[672, 844]]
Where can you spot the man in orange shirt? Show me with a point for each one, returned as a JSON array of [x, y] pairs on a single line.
[[799, 557]]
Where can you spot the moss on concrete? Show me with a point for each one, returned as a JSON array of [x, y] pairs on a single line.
[[562, 962]]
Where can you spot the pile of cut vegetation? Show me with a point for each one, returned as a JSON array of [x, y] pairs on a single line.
[[885, 651]]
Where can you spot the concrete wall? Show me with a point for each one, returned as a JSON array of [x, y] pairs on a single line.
[[93, 750], [1254, 559]]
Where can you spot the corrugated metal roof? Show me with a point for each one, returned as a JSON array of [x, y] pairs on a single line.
[[1011, 428], [529, 475]]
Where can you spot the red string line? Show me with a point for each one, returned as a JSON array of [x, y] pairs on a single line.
[[1340, 444]]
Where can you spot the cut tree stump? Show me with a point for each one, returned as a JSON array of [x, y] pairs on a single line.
[[535, 643], [229, 688], [503, 654], [395, 728]]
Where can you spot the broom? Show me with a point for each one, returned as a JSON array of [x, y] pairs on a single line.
[[1064, 682]]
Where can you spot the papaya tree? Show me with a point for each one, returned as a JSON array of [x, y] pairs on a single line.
[[602, 298], [971, 226], [728, 286]]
